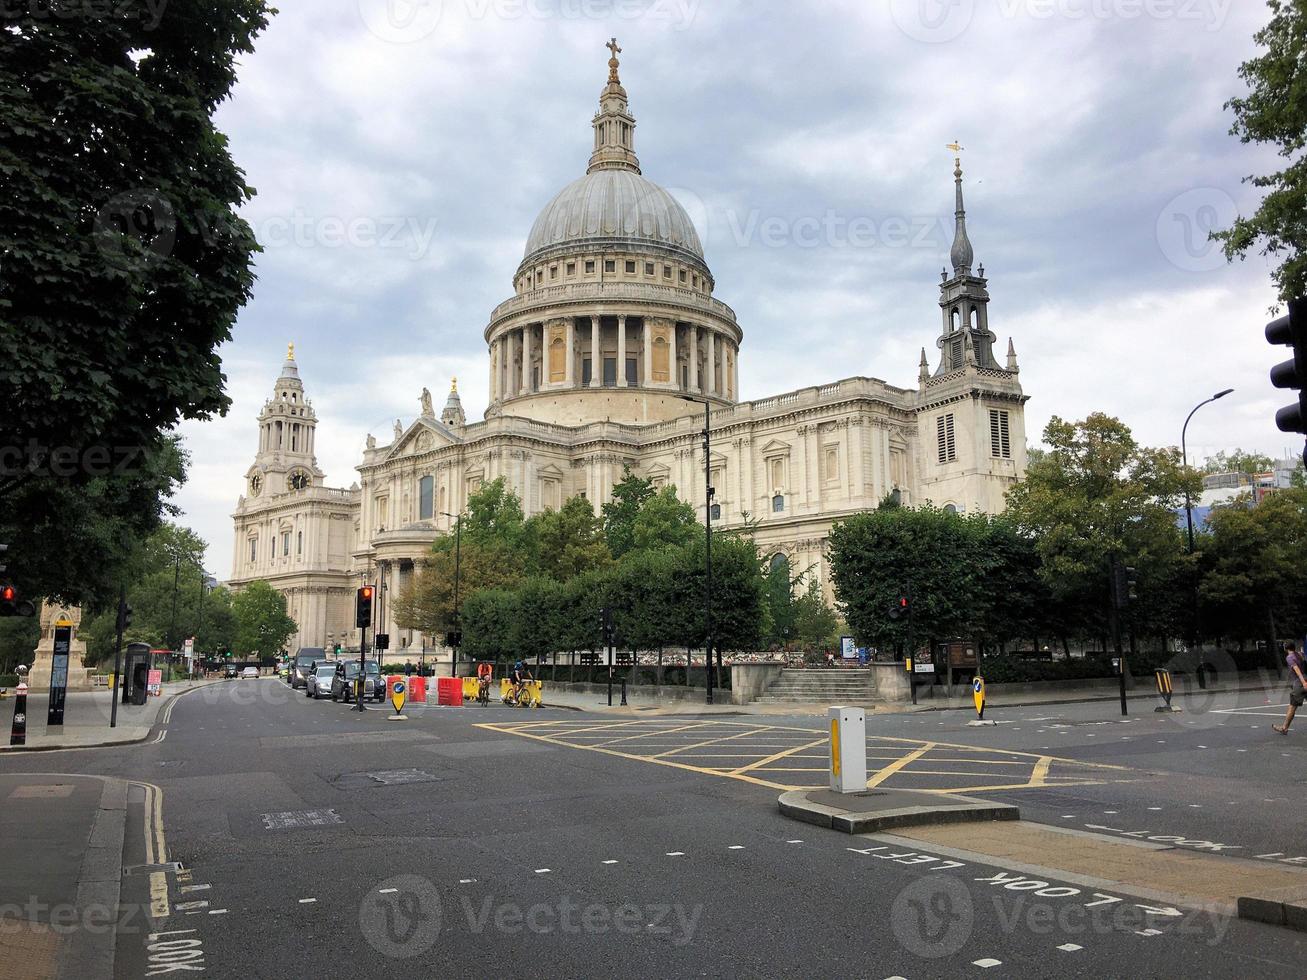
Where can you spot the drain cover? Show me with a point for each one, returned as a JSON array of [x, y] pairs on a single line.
[[296, 819]]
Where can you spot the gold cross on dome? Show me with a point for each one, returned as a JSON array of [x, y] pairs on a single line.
[[612, 46], [955, 146]]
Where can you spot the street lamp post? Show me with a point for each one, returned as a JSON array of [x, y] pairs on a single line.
[[707, 528], [458, 564], [1184, 455]]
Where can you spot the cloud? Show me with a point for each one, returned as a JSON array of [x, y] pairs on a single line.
[[401, 160]]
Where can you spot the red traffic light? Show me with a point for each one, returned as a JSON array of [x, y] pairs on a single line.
[[365, 592], [8, 593]]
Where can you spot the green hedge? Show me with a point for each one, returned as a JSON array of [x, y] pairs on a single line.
[[8, 680]]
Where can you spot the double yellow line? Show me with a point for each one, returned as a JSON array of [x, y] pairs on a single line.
[[156, 849]]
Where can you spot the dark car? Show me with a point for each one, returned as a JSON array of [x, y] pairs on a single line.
[[230, 671], [374, 685], [303, 665]]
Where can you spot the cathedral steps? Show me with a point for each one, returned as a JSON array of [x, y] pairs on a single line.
[[837, 686]]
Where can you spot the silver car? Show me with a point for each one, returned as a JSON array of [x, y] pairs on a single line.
[[318, 683]]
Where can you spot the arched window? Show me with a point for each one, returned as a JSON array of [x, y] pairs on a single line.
[[716, 512], [950, 509], [955, 320], [778, 503], [779, 562]]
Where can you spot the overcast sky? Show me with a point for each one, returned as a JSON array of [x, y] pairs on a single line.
[[402, 150]]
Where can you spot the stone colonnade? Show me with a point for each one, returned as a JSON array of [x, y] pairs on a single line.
[[634, 351]]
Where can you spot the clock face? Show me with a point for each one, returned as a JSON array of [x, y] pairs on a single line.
[[297, 480], [256, 485]]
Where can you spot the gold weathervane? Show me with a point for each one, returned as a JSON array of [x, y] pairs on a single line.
[[290, 352], [453, 386]]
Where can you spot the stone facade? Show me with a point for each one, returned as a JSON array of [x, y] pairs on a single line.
[[596, 361]]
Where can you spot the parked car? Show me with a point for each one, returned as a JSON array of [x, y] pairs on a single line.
[[303, 665], [318, 683], [250, 672], [374, 685], [229, 672]]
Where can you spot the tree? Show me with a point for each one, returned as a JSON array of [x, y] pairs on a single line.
[[567, 542], [1097, 493], [619, 514], [936, 556], [1238, 461], [123, 264], [262, 625], [77, 541], [815, 623], [664, 520], [1275, 112], [1254, 577], [427, 602]]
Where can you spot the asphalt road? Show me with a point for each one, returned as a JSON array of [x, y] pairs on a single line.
[[492, 841]]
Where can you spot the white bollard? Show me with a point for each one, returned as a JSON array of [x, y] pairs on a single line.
[[848, 749]]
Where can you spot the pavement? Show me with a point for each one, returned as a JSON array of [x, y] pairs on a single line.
[[87, 715], [273, 836]]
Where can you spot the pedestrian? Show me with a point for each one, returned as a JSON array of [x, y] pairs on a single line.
[[408, 668], [1297, 691]]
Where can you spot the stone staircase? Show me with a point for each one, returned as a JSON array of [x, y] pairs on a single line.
[[834, 686]]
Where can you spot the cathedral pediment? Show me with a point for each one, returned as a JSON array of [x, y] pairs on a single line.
[[423, 436]]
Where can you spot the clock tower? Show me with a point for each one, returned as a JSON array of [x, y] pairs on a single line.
[[287, 431]]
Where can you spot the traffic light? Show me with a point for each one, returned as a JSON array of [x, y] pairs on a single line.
[[12, 605], [363, 609], [606, 625], [1125, 585], [900, 608], [124, 617], [454, 639], [1291, 330]]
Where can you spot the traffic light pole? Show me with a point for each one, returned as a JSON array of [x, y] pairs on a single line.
[[117, 657]]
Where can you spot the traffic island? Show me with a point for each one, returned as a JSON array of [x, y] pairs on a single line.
[[880, 810]]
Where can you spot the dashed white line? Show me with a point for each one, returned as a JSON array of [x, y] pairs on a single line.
[[307, 901], [675, 854], [610, 861], [985, 964], [543, 871], [736, 847], [794, 842], [1148, 932], [387, 891], [217, 911], [467, 881], [1070, 948]]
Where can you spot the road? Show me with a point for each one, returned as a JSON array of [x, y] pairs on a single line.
[[311, 840]]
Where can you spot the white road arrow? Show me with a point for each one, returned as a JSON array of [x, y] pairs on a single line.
[[1170, 912]]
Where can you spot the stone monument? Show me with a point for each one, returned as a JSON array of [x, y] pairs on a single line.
[[79, 677]]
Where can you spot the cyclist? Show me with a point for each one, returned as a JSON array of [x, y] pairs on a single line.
[[519, 676]]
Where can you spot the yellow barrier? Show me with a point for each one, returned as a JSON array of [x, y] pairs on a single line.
[[1163, 677], [535, 687], [469, 688]]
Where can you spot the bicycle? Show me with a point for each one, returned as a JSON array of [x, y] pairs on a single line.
[[524, 697], [483, 692]]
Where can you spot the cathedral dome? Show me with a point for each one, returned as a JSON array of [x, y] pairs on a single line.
[[613, 206]]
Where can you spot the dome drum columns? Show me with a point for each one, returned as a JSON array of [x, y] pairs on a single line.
[[617, 350]]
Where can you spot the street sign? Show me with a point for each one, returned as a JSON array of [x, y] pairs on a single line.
[[398, 693], [847, 649], [381, 641], [978, 694], [63, 640]]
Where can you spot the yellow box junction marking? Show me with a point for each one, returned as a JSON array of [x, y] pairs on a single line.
[[750, 753]]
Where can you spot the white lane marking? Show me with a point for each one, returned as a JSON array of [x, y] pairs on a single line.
[[794, 842], [543, 871], [675, 854], [185, 906], [1154, 808], [736, 847], [217, 911], [193, 888], [467, 881], [1068, 816], [1148, 932], [387, 891], [307, 901], [987, 963], [1070, 948]]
